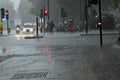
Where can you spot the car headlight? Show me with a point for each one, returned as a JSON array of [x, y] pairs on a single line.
[[31, 30], [24, 30]]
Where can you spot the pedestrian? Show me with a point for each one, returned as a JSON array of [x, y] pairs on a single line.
[[48, 26], [41, 29], [52, 25], [78, 27], [71, 28], [17, 29]]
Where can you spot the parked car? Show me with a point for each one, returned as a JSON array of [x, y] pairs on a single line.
[[62, 27]]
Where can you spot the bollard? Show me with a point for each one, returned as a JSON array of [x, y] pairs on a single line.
[[9, 30], [1, 28], [118, 41]]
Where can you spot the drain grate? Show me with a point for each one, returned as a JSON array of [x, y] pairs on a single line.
[[30, 75]]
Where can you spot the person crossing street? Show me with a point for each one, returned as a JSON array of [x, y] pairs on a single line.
[[71, 28]]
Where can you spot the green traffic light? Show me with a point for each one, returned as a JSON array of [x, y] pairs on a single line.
[[96, 16]]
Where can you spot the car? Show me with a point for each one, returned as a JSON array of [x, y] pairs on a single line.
[[28, 29]]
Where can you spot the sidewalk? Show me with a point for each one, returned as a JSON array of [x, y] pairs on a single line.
[[97, 32]]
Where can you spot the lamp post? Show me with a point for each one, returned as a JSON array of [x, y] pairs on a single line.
[[99, 24], [100, 20]]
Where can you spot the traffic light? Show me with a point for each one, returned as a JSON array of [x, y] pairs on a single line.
[[45, 12], [94, 2], [63, 13], [90, 2], [2, 12], [41, 13], [96, 16], [7, 14]]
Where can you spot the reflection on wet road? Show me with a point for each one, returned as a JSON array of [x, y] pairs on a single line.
[[104, 63], [67, 56], [47, 49], [24, 35], [101, 55]]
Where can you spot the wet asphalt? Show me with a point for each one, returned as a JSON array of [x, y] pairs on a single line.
[[72, 56]]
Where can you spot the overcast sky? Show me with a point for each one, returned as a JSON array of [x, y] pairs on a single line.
[[16, 4]]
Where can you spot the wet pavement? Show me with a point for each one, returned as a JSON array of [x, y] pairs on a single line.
[[61, 56]]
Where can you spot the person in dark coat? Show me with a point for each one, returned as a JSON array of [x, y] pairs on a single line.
[[48, 26], [52, 25]]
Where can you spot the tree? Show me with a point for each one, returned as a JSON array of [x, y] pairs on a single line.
[[65, 2], [37, 5], [8, 6], [116, 3], [24, 11], [109, 22], [73, 8]]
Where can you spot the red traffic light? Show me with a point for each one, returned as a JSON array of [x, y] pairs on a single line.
[[6, 12], [46, 12]]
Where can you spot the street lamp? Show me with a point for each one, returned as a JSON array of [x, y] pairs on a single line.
[[100, 20]]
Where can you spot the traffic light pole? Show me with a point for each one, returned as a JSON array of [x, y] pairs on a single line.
[[48, 2], [41, 25], [41, 17], [100, 20], [86, 16], [1, 19], [37, 26], [7, 26], [44, 21], [7, 18]]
